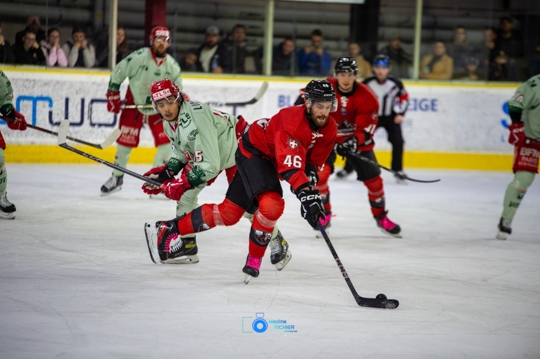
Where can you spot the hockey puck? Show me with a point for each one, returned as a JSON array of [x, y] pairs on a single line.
[[381, 297]]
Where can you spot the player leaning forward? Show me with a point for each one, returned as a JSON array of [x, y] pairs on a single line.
[[204, 143], [291, 145], [143, 67], [525, 136]]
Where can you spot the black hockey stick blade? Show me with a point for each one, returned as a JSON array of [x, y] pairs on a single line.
[[389, 170], [108, 141], [62, 135], [256, 98], [378, 302]]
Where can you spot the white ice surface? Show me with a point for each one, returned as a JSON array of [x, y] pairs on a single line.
[[76, 280]]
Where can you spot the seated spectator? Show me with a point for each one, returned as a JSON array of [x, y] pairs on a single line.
[[212, 54], [29, 52], [313, 60], [471, 73], [236, 49], [54, 55], [437, 66], [32, 24], [189, 62], [282, 58], [401, 60], [102, 52], [510, 50], [364, 67], [78, 51], [6, 53], [460, 50]]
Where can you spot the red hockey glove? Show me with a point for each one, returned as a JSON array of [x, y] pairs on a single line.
[[113, 101], [517, 133], [17, 122], [175, 188], [159, 174]]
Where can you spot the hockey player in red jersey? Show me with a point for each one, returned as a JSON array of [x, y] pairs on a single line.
[[356, 119], [292, 146]]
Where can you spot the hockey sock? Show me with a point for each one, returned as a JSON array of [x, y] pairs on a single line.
[[271, 207], [376, 195], [162, 155], [323, 187], [208, 216], [250, 217], [121, 158], [515, 192], [3, 173]]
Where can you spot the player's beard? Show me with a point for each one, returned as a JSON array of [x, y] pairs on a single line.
[[159, 51], [319, 120]]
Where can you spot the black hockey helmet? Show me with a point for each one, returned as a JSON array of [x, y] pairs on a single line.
[[320, 91], [381, 60], [346, 64]]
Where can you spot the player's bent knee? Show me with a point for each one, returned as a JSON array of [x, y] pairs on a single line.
[[523, 180], [229, 213], [271, 205]]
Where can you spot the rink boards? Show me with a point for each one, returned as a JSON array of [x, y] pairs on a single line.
[[448, 125]]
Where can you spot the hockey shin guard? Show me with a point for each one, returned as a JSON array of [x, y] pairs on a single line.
[[3, 173], [515, 192], [271, 207], [376, 195], [210, 215], [121, 159]]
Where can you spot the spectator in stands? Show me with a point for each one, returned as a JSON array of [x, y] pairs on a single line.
[[236, 49], [510, 46], [212, 54], [29, 53], [189, 62], [460, 50], [54, 55], [6, 53], [282, 58], [489, 51], [364, 67], [437, 66], [314, 60], [471, 73], [533, 63], [78, 51], [34, 25], [102, 51], [401, 60]]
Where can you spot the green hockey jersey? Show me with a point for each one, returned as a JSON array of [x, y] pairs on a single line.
[[6, 94], [527, 99], [142, 68], [203, 137]]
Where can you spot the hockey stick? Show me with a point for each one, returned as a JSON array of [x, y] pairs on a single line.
[[378, 302], [108, 141], [62, 135], [403, 176], [256, 98]]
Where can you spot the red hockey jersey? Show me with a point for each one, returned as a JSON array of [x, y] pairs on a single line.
[[291, 141]]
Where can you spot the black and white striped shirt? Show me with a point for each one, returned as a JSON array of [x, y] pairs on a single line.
[[393, 98]]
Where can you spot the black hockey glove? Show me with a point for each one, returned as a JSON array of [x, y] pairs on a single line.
[[350, 145], [311, 207]]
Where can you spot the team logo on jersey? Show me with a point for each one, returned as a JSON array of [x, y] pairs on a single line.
[[192, 135], [292, 143], [157, 72], [185, 120], [518, 97], [344, 100]]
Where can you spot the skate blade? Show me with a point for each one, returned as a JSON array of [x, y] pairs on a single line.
[[281, 264], [151, 239], [502, 235], [247, 278], [5, 215], [105, 194], [318, 234], [397, 235], [182, 260]]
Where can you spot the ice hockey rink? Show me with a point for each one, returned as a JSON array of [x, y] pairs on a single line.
[[76, 280]]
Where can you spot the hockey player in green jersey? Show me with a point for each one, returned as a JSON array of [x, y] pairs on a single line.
[[204, 143], [524, 111], [142, 68], [15, 121]]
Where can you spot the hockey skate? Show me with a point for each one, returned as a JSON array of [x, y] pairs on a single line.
[[343, 173], [113, 184], [279, 252], [251, 269], [326, 224], [387, 226], [166, 246], [400, 177], [7, 209], [504, 229]]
